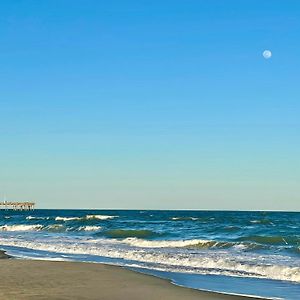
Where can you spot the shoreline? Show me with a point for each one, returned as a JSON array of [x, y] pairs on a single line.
[[42, 279], [3, 255]]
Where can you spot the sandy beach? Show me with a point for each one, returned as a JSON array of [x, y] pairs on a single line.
[[29, 279]]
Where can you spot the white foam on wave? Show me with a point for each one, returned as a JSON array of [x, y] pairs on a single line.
[[67, 218], [100, 217], [87, 217], [184, 218], [54, 227], [20, 227], [90, 228], [220, 263], [164, 243], [37, 218]]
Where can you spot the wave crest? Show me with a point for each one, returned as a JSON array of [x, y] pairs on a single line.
[[184, 219], [177, 244], [99, 217], [37, 218], [65, 219], [85, 218], [21, 227], [89, 228]]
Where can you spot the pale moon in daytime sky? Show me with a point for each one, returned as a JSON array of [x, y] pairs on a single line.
[[267, 54]]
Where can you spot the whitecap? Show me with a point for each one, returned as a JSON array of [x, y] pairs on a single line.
[[164, 243], [21, 227], [37, 218], [90, 228], [100, 217], [67, 218]]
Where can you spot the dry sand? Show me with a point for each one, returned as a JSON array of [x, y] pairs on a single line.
[[29, 279]]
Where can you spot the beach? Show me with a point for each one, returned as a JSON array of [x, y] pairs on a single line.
[[236, 253], [36, 279], [150, 150]]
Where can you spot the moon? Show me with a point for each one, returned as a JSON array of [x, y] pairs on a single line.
[[267, 54]]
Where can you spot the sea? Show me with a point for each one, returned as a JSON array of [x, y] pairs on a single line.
[[231, 252]]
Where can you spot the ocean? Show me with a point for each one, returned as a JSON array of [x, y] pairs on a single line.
[[234, 252]]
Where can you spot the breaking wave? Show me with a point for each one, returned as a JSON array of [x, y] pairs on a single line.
[[20, 227], [50, 227], [164, 243], [221, 264], [55, 228], [37, 218], [192, 244], [90, 228], [99, 217], [65, 219], [85, 218]]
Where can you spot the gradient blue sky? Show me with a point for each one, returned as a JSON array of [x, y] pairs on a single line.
[[150, 104]]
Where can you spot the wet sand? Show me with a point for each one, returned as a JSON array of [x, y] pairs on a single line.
[[31, 279], [3, 255]]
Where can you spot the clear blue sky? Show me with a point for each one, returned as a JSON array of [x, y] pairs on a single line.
[[150, 104]]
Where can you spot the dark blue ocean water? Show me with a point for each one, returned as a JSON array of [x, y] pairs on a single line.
[[253, 253]]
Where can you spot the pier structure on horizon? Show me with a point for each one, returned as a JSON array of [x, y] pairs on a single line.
[[10, 205]]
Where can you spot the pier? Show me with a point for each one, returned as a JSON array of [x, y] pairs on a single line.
[[9, 205]]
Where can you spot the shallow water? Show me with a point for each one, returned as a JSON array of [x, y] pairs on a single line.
[[258, 251]]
